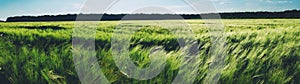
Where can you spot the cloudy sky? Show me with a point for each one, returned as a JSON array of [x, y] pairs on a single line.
[[54, 7]]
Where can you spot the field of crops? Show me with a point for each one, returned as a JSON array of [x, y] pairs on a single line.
[[257, 51]]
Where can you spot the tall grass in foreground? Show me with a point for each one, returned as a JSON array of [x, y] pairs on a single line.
[[258, 51]]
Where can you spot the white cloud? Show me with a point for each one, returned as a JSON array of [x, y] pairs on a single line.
[[221, 2], [277, 1], [77, 5]]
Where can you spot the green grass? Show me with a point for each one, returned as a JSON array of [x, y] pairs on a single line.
[[258, 51]]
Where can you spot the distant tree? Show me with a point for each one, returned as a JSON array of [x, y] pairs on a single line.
[[141, 16]]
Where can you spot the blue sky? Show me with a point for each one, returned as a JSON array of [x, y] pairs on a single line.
[[42, 7]]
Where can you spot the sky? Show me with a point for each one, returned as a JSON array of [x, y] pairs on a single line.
[[10, 8]]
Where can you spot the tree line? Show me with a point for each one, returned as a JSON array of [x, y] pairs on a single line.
[[106, 17]]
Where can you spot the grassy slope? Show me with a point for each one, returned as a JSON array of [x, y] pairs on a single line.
[[258, 51]]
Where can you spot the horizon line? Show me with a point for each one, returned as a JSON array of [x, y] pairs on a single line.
[[145, 13]]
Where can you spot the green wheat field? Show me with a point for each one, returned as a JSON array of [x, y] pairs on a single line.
[[258, 51]]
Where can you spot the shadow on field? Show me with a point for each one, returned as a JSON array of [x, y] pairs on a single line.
[[43, 27]]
